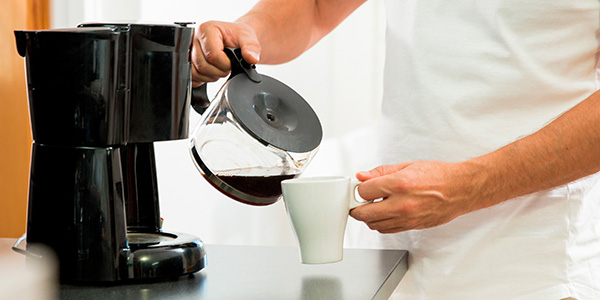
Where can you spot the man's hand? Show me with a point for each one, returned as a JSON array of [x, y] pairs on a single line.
[[417, 195], [208, 59]]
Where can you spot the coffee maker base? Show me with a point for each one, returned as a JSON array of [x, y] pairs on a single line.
[[158, 255]]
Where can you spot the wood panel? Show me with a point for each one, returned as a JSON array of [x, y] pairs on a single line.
[[15, 134], [38, 14]]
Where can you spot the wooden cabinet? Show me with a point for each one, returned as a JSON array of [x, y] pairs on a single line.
[[15, 135]]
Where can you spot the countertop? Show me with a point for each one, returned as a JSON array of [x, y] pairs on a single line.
[[260, 272]]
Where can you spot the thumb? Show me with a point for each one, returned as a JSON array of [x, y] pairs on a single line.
[[251, 53], [247, 41]]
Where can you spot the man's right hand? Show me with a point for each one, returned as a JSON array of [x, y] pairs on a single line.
[[209, 62]]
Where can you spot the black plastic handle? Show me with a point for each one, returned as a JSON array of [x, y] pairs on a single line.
[[200, 101]]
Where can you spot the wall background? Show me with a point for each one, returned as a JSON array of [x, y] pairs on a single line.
[[340, 77]]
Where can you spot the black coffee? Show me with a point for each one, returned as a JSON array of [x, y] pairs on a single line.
[[263, 190]]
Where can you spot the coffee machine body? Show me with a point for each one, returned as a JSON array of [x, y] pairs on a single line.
[[99, 96]]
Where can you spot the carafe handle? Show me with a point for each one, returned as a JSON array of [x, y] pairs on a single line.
[[200, 101]]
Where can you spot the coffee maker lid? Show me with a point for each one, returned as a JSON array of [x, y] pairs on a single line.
[[274, 113], [46, 36]]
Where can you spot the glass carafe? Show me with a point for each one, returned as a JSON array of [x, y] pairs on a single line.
[[254, 134]]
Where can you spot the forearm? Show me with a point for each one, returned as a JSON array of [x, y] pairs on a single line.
[[563, 151], [287, 28]]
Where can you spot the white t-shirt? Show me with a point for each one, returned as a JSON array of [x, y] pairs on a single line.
[[462, 79]]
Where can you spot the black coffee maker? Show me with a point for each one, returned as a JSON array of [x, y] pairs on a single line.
[[100, 95]]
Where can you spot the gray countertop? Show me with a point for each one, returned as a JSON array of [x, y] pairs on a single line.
[[258, 272]]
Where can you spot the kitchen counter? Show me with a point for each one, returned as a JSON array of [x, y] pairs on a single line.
[[257, 272]]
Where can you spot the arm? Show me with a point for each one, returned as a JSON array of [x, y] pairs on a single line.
[[427, 194], [286, 28], [273, 31]]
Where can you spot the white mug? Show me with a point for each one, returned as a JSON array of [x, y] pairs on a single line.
[[318, 208]]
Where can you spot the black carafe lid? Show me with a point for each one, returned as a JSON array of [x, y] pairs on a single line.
[[274, 113], [269, 110]]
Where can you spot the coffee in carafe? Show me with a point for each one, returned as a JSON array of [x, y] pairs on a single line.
[[265, 188], [254, 134]]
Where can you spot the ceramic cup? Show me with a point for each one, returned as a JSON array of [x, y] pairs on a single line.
[[318, 209]]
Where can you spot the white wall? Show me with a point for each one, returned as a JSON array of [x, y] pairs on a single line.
[[340, 77]]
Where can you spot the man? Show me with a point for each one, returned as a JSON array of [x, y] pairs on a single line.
[[490, 137]]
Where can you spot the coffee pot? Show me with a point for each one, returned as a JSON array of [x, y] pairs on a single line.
[[255, 133]]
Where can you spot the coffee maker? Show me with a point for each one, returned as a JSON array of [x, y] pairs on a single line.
[[100, 96]]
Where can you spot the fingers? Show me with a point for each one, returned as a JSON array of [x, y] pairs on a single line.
[[202, 70], [380, 182], [211, 37], [416, 195], [381, 171], [375, 188], [377, 217], [208, 59], [372, 212], [390, 215]]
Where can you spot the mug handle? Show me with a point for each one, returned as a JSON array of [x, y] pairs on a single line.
[[354, 202]]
